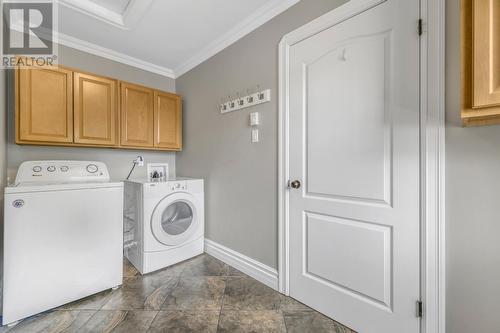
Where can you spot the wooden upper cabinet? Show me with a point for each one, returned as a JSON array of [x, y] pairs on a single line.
[[480, 62], [45, 105], [167, 121], [64, 107], [137, 116], [95, 110], [486, 53]]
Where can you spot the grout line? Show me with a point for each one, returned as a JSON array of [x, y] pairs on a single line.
[[152, 321], [284, 321], [222, 302]]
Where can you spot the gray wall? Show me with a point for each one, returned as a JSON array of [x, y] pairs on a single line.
[[119, 161], [473, 201], [241, 177]]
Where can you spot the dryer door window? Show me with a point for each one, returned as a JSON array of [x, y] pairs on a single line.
[[177, 218]]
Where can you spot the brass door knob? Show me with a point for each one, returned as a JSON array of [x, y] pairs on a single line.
[[295, 184]]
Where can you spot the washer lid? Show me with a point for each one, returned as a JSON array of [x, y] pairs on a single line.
[[174, 219]]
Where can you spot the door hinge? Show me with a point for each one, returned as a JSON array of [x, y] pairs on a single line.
[[420, 309], [420, 27]]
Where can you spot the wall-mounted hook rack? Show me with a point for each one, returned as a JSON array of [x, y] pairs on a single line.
[[239, 103]]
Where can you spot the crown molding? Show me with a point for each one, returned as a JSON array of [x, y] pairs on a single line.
[[258, 18], [134, 11], [261, 16], [81, 45], [100, 51]]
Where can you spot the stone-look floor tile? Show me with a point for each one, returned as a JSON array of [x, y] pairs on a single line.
[[149, 283], [252, 321], [129, 269], [312, 322], [196, 293], [119, 321], [53, 322], [288, 303], [139, 293], [94, 302], [204, 265], [82, 317], [185, 321], [231, 271], [245, 293]]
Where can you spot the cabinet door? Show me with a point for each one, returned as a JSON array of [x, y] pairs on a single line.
[[95, 110], [168, 121], [45, 109], [136, 116], [486, 56]]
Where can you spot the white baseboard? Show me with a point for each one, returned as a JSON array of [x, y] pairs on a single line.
[[247, 265]]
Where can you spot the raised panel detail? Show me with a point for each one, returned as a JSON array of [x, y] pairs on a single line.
[[352, 256], [348, 88], [486, 53], [95, 110], [45, 111], [137, 116], [168, 120]]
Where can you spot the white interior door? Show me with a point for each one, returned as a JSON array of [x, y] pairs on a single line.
[[354, 146]]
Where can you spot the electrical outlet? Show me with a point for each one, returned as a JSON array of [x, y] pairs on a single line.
[[255, 135]]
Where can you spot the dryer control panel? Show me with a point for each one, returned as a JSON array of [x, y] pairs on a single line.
[[62, 172]]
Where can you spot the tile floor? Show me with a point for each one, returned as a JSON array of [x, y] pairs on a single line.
[[199, 295]]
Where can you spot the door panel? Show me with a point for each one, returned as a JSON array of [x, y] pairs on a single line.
[[45, 112], [366, 270], [354, 144], [96, 111], [366, 155], [168, 120], [136, 116]]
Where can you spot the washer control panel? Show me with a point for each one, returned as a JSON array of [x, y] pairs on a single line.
[[62, 171], [178, 186]]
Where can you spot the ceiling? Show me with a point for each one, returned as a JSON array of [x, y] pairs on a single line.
[[168, 37], [117, 6]]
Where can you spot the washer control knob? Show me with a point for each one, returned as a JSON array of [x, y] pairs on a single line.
[[178, 185], [92, 168], [37, 168], [64, 168], [51, 168]]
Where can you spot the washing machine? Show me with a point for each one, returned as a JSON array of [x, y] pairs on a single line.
[[63, 228], [163, 222]]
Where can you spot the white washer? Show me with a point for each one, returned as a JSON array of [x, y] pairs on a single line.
[[63, 236], [164, 222]]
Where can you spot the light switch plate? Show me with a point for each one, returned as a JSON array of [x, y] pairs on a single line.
[[255, 135], [254, 119]]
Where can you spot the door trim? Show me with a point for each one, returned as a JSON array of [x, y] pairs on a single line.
[[432, 151]]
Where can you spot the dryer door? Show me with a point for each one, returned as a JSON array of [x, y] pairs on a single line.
[[174, 219]]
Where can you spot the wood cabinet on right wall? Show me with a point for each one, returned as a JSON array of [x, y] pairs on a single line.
[[480, 62]]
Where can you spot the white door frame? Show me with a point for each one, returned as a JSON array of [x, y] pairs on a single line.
[[432, 124]]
